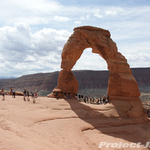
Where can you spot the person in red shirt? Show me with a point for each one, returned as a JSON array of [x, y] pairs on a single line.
[[3, 94]]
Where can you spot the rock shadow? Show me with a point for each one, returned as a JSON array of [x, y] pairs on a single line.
[[106, 121]]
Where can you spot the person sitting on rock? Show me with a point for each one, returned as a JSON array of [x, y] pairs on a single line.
[[76, 96], [56, 94], [65, 95], [69, 97]]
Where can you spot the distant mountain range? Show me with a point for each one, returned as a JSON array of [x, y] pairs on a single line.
[[7, 77], [91, 83]]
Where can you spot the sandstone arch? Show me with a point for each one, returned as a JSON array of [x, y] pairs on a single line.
[[121, 85]]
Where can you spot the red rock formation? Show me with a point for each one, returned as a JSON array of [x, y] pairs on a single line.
[[121, 86], [16, 93], [67, 82]]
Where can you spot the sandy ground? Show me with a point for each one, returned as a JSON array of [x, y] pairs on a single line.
[[52, 124]]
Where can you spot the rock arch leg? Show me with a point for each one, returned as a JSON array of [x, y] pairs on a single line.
[[67, 82]]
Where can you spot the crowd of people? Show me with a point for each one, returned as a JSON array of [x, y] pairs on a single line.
[[92, 100], [86, 99], [79, 97], [26, 94]]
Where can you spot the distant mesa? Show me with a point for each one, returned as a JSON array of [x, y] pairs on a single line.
[[122, 85]]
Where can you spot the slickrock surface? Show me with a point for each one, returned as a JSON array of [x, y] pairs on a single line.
[[58, 124]]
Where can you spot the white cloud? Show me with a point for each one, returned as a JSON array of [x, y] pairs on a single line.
[[82, 18], [88, 16], [136, 60], [77, 22], [61, 19], [43, 27], [90, 61], [110, 12], [97, 14], [24, 52], [32, 12]]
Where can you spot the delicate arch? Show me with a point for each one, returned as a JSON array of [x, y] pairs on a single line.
[[122, 85], [121, 81]]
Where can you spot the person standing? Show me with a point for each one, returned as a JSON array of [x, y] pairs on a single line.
[[90, 100], [84, 99], [79, 97], [3, 94], [35, 94], [28, 96], [100, 101], [107, 99], [10, 91], [13, 92], [104, 99], [33, 97], [24, 92], [97, 101]]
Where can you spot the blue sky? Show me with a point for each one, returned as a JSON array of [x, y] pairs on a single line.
[[33, 32]]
